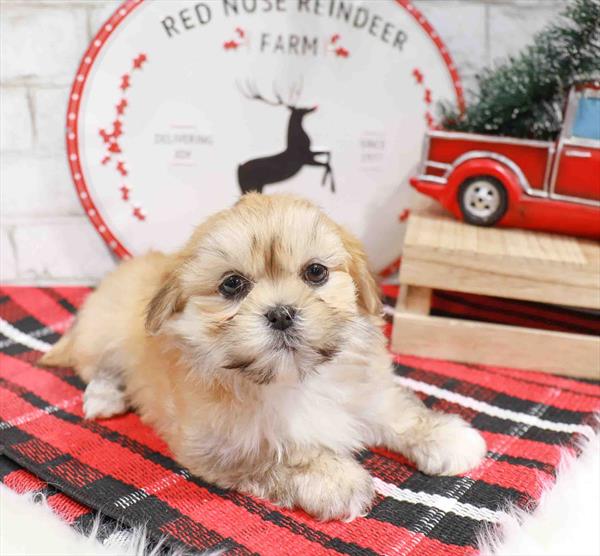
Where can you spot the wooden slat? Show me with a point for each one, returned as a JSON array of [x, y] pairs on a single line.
[[563, 353], [442, 253], [414, 299]]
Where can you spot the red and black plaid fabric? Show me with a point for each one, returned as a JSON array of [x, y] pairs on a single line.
[[122, 469]]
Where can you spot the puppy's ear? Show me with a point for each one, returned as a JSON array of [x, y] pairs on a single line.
[[368, 291], [167, 301]]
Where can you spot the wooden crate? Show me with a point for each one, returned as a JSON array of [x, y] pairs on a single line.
[[442, 253]]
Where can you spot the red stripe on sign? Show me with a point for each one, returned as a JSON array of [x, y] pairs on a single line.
[[506, 385], [190, 499], [550, 454], [40, 305], [22, 481], [66, 508]]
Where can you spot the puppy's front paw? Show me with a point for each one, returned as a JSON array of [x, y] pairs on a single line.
[[447, 445], [102, 399], [333, 489]]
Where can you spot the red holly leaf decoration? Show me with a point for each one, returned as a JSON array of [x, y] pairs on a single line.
[[114, 147], [335, 38], [139, 61], [137, 212], [428, 96], [111, 139], [404, 215], [342, 52], [121, 106], [429, 119], [125, 84], [418, 75], [117, 128], [230, 45], [240, 32]]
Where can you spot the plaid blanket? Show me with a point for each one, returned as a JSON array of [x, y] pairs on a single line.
[[122, 469]]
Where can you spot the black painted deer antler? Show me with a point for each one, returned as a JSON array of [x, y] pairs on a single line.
[[251, 92]]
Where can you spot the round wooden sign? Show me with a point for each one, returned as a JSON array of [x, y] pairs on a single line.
[[179, 107]]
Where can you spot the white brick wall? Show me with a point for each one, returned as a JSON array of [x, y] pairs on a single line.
[[44, 235], [16, 131]]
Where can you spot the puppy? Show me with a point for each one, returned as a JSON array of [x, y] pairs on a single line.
[[257, 353]]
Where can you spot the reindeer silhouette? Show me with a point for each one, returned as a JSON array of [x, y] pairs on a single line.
[[258, 172]]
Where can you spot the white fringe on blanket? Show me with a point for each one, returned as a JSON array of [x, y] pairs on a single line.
[[566, 522]]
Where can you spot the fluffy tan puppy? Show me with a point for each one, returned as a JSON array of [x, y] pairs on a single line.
[[257, 353]]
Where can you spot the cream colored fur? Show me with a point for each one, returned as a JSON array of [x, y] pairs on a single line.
[[277, 415]]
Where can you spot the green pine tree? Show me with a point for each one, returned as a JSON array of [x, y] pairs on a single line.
[[524, 96]]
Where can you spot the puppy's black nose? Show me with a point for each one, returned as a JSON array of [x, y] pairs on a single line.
[[281, 317]]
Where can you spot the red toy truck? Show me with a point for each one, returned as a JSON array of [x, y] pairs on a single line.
[[551, 186]]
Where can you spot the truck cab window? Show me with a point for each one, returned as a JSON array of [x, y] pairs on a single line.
[[587, 119]]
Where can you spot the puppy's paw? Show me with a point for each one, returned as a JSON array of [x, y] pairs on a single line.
[[334, 489], [447, 446], [102, 399]]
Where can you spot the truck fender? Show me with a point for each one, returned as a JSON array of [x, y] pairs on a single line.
[[485, 167]]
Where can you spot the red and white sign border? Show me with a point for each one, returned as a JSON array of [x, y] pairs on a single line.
[[72, 139]]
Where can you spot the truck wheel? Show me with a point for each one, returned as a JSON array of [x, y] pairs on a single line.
[[483, 200]]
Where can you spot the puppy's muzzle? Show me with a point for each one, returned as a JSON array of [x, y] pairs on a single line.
[[281, 317]]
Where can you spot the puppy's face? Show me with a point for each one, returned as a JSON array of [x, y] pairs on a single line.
[[266, 289]]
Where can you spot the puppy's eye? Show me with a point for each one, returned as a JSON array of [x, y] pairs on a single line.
[[233, 286], [316, 274]]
